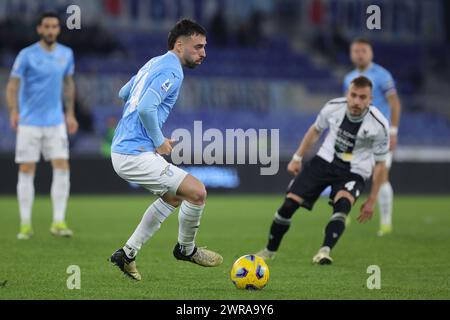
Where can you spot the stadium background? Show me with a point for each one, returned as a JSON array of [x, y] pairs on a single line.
[[270, 64]]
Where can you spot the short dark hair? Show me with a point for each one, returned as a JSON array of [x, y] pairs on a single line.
[[362, 40], [184, 27], [362, 82], [48, 14]]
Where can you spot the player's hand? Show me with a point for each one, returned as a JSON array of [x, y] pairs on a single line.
[[166, 147], [393, 142], [294, 167], [366, 211], [72, 124], [14, 119]]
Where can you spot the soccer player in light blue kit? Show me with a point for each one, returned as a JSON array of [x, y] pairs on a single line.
[[138, 144], [40, 75], [386, 99]]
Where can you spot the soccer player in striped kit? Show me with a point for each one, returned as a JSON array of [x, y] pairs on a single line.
[[356, 146]]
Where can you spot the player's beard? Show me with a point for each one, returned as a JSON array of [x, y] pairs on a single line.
[[361, 65], [355, 111], [49, 40], [192, 64]]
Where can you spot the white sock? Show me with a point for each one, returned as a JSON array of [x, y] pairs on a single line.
[[153, 217], [25, 196], [189, 222], [60, 193], [385, 200]]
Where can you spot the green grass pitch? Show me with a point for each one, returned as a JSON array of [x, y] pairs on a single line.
[[414, 260]]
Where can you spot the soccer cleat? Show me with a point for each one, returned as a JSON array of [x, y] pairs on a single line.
[[323, 256], [60, 229], [384, 230], [26, 232], [127, 265], [266, 254], [200, 256]]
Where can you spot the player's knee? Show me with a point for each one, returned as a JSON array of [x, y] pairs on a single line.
[[60, 164], [176, 203], [288, 208], [28, 168], [198, 196], [173, 201], [342, 205]]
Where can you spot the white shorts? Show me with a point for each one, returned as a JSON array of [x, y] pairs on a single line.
[[31, 141], [389, 160], [149, 170]]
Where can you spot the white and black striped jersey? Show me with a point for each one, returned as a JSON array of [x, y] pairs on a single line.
[[353, 143]]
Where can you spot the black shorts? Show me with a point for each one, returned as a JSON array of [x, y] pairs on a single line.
[[317, 174]]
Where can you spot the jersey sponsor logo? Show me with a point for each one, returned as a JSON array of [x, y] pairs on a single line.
[[346, 138], [389, 85], [61, 60], [166, 85]]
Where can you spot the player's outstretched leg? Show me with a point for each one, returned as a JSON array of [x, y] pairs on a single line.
[[193, 193], [25, 197], [153, 217], [335, 227], [280, 225], [60, 194], [385, 200]]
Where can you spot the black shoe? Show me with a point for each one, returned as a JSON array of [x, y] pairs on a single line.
[[127, 265], [200, 256]]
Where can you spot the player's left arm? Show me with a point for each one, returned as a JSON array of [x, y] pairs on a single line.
[[390, 92], [69, 103], [124, 92], [367, 208], [380, 149], [394, 103]]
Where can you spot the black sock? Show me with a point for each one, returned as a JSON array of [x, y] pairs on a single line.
[[277, 232], [333, 231], [281, 223], [335, 228]]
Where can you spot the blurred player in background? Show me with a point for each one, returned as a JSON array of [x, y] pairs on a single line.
[[358, 135], [41, 75], [385, 98], [138, 144]]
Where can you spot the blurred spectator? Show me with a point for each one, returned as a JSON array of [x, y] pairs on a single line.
[[108, 137], [219, 29], [83, 114], [250, 33]]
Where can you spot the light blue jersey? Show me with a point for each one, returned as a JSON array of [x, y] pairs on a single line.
[[149, 97], [41, 75], [383, 86]]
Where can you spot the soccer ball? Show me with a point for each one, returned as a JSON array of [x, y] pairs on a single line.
[[250, 272]]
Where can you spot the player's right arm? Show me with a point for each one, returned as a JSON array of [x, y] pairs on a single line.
[[312, 135], [310, 138], [12, 90]]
